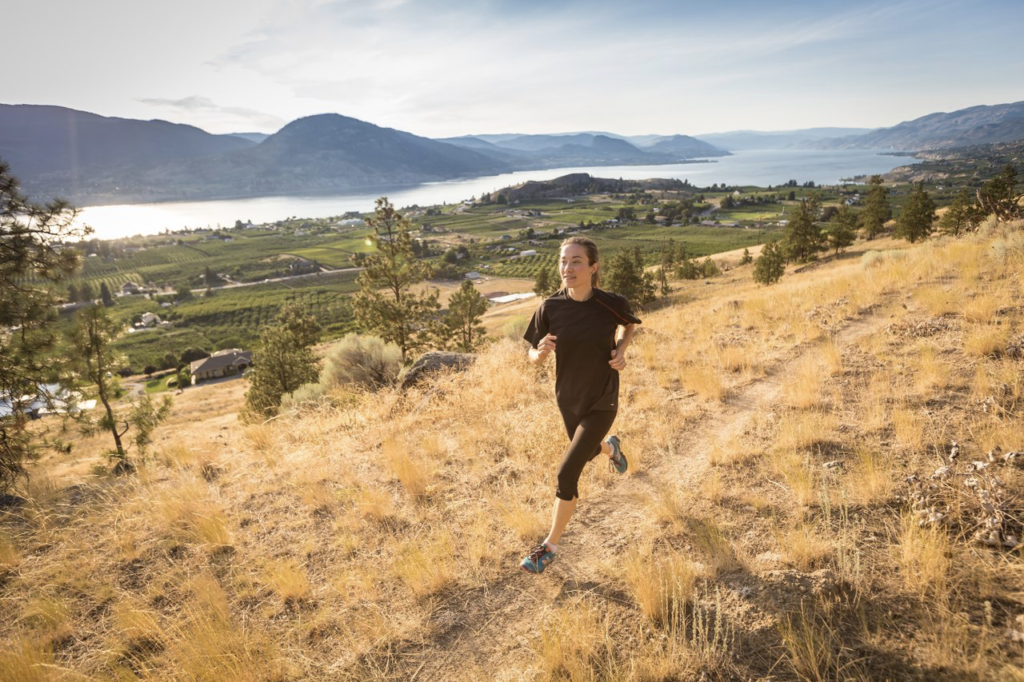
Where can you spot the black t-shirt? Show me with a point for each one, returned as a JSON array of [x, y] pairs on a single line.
[[586, 338]]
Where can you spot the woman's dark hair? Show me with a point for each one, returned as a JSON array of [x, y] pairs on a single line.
[[592, 258]]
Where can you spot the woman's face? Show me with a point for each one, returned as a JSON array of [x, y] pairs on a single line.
[[574, 268]]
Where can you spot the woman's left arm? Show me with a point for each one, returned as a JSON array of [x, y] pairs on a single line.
[[618, 361]]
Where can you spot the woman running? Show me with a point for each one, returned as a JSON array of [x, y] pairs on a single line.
[[580, 324]]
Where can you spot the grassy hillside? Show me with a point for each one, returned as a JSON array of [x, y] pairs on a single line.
[[786, 514]]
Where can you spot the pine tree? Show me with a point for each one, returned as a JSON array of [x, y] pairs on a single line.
[[747, 258], [627, 277], [105, 296], [545, 284], [72, 293], [1001, 197], [962, 215], [385, 304], [462, 322], [841, 230], [94, 364], [283, 361], [802, 238], [30, 235], [770, 265], [709, 268], [86, 294], [668, 255], [915, 220], [876, 208]]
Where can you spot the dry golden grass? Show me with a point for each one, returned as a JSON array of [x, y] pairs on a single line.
[[662, 586], [410, 472], [871, 480], [923, 558], [798, 475], [713, 544], [803, 384], [986, 340], [705, 380], [803, 546], [288, 579], [378, 539]]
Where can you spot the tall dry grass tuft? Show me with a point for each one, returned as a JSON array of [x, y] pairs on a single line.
[[923, 557], [662, 587], [814, 647], [206, 644], [798, 473], [803, 546], [982, 308], [10, 557], [802, 387], [572, 640], [933, 373], [288, 579], [705, 380], [189, 514], [412, 474], [713, 543], [986, 340], [427, 567], [870, 480], [909, 427], [26, 660]]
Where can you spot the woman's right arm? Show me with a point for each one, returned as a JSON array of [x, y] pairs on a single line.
[[543, 349]]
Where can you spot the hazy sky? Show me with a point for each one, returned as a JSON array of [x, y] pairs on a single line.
[[447, 67]]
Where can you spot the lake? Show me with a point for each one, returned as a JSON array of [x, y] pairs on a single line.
[[761, 167]]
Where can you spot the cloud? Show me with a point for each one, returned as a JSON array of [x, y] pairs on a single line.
[[206, 111]]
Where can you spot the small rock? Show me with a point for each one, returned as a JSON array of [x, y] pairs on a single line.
[[434, 361], [954, 451], [941, 472], [745, 592], [834, 464]]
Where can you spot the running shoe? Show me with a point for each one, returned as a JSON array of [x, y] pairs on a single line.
[[617, 461], [538, 559]]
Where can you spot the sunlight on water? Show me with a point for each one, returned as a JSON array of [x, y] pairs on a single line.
[[763, 168]]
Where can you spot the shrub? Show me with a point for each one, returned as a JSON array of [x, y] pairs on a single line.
[[303, 395], [363, 360], [515, 327]]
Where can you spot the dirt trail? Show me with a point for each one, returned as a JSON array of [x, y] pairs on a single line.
[[491, 627]]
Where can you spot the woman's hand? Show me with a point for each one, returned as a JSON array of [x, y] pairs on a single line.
[[543, 349], [618, 361]]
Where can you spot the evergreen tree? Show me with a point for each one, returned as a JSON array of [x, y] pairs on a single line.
[[548, 281], [95, 364], [802, 238], [210, 277], [747, 258], [283, 361], [962, 215], [86, 293], [915, 220], [770, 265], [29, 240], [72, 293], [1001, 197], [841, 230], [688, 269], [627, 277], [876, 208], [462, 322], [385, 304], [709, 268], [105, 296]]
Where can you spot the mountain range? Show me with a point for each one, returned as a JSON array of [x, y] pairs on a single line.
[[92, 159]]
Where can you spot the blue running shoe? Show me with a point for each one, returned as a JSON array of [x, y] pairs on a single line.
[[618, 459], [538, 559]]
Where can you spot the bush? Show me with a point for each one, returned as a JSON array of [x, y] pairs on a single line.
[[301, 397], [363, 360], [515, 327]]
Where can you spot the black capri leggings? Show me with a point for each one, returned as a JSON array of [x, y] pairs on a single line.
[[586, 433]]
